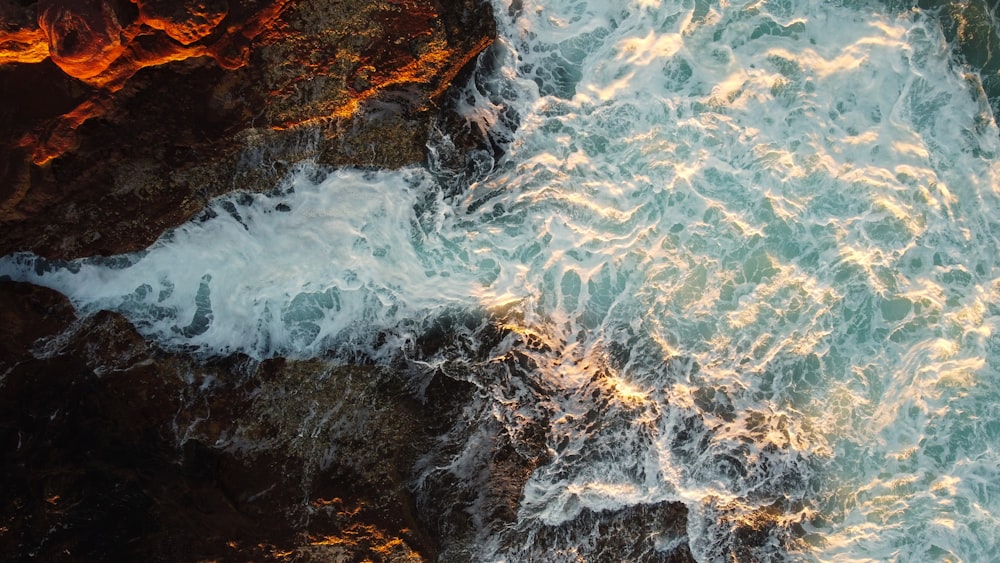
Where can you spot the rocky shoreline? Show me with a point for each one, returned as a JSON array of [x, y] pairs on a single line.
[[122, 120], [119, 450]]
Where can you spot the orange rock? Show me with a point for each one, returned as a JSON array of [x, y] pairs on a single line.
[[21, 41], [23, 46], [184, 21], [84, 37], [103, 43], [169, 136], [60, 135]]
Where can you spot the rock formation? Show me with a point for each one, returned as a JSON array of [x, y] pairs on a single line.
[[121, 118], [116, 450]]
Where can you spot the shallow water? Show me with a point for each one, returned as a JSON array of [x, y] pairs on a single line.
[[749, 250]]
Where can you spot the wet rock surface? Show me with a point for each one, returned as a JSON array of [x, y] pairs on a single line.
[[121, 119], [118, 450], [628, 534]]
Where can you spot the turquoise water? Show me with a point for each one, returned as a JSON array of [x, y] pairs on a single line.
[[749, 252]]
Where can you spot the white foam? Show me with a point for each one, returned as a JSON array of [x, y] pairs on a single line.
[[326, 263]]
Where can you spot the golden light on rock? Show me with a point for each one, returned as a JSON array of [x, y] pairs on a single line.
[[84, 37], [186, 21], [104, 43], [23, 46]]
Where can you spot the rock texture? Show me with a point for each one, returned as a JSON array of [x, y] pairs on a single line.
[[115, 450], [121, 118]]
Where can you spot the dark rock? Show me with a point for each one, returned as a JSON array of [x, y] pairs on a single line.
[[117, 450], [121, 120], [27, 314], [185, 21]]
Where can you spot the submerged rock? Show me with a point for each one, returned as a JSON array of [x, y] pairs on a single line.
[[121, 119]]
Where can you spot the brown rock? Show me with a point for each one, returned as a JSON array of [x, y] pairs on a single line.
[[21, 40], [185, 21], [84, 36], [27, 314], [160, 105], [105, 42]]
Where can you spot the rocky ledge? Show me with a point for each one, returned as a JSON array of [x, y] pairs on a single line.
[[121, 118]]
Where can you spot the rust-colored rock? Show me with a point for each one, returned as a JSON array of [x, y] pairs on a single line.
[[185, 21], [84, 36], [21, 41], [105, 42], [23, 46], [120, 118]]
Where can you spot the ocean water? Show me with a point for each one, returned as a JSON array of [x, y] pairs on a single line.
[[746, 252]]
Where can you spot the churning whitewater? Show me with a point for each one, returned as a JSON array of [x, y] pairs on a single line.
[[750, 250]]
